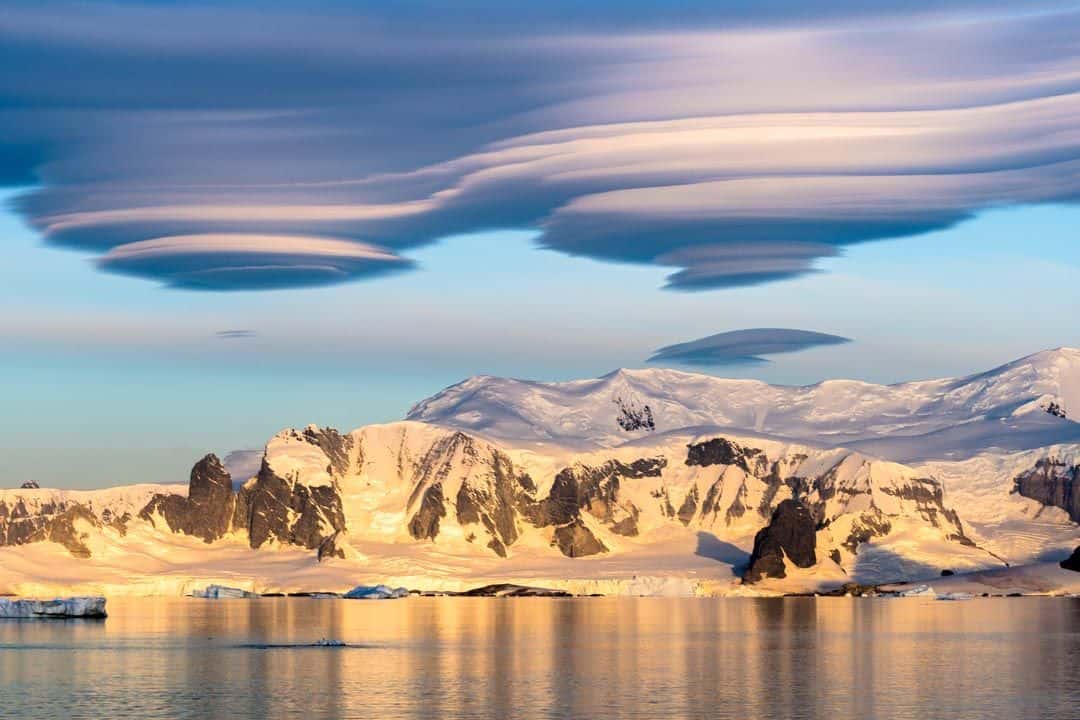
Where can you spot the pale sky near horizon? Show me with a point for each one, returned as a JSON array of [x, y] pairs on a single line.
[[256, 227]]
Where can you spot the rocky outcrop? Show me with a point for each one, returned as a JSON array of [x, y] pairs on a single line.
[[206, 512], [330, 548], [285, 510], [493, 502], [791, 534], [511, 590], [633, 414], [424, 524], [721, 451], [1053, 483], [594, 490], [66, 523], [335, 445], [1073, 561], [30, 485], [575, 540]]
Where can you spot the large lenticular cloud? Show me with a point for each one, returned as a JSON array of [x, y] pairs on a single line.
[[206, 151]]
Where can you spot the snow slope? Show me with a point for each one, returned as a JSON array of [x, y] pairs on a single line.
[[1003, 409]]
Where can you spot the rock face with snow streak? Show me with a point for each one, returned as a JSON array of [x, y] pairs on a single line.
[[68, 518], [1053, 482], [1073, 561]]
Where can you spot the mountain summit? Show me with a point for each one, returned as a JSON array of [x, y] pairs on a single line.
[[1018, 406]]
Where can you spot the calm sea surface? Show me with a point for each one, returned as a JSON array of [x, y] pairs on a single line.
[[549, 658]]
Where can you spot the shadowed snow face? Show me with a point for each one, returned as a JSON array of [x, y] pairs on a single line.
[[735, 147]]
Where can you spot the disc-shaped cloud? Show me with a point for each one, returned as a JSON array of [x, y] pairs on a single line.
[[250, 262], [733, 146], [743, 346]]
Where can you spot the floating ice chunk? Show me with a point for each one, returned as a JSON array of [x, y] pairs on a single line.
[[916, 591], [376, 592], [328, 643], [220, 592], [72, 607]]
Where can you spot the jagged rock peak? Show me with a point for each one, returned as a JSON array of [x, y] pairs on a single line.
[[207, 511]]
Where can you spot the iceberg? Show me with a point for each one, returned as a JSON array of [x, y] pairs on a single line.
[[72, 607], [916, 591], [955, 596], [376, 592], [220, 592]]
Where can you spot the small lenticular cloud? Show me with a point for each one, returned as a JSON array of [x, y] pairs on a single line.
[[743, 346], [235, 334]]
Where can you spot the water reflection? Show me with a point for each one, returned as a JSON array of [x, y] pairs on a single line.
[[550, 658]]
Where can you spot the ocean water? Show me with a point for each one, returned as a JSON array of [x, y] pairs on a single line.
[[549, 658]]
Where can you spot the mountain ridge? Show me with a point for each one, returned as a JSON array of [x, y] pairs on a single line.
[[530, 411], [644, 505]]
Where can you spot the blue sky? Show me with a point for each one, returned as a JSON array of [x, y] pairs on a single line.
[[386, 202]]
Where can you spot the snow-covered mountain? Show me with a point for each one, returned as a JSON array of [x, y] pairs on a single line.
[[640, 481], [1018, 406]]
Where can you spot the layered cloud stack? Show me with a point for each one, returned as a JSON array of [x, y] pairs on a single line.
[[733, 147]]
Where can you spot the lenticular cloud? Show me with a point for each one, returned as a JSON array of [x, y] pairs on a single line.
[[743, 346], [322, 148]]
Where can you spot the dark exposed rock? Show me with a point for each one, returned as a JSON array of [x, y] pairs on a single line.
[[511, 590], [1073, 561], [329, 548], [947, 573], [1054, 483], [852, 589], [206, 512], [626, 527], [594, 490], [274, 508], [720, 451], [289, 512], [791, 533], [30, 485], [54, 521], [334, 444], [494, 504], [116, 522], [834, 555], [689, 506], [711, 496], [62, 530], [633, 415], [642, 467], [576, 540], [1056, 410], [929, 499], [869, 525], [425, 522]]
